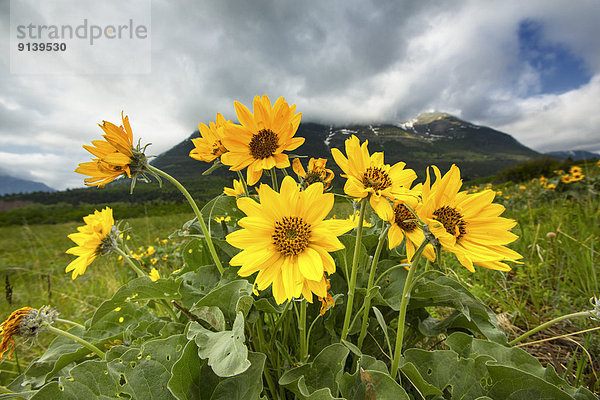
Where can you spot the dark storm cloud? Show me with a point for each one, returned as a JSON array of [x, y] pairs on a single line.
[[339, 61]]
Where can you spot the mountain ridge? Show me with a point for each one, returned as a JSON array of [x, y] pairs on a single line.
[[10, 184], [430, 139]]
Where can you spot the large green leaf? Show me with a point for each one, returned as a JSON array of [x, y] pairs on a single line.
[[145, 373], [196, 284], [371, 380], [187, 381], [226, 297], [476, 368], [226, 352], [511, 383], [459, 377], [515, 358], [61, 353], [247, 385], [319, 379], [138, 290], [192, 379], [196, 254], [139, 373]]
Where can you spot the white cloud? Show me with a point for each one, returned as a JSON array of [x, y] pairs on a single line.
[[340, 61]]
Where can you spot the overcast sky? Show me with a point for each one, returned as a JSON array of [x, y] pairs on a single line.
[[529, 68]]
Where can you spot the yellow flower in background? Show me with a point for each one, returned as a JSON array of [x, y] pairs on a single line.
[[236, 191], [154, 275], [10, 328], [598, 163], [115, 155], [577, 176], [522, 187], [316, 172], [367, 175], [326, 302], [286, 239], [209, 145], [551, 186], [566, 178], [93, 239], [468, 225], [150, 250], [575, 170], [223, 219], [403, 225], [354, 219], [259, 142]]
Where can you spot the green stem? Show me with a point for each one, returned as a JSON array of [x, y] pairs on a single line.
[[302, 331], [403, 305], [582, 314], [69, 322], [279, 322], [169, 309], [352, 283], [274, 180], [365, 318], [77, 339], [266, 373], [243, 183], [189, 198], [134, 267]]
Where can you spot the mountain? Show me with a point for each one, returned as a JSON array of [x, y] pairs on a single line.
[[10, 184], [433, 138], [573, 154]]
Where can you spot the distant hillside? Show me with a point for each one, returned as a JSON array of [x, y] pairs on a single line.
[[432, 138], [9, 184], [574, 154]]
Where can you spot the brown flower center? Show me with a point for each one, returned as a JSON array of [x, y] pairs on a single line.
[[376, 178], [314, 176], [218, 148], [263, 144], [291, 236], [403, 217], [452, 221]]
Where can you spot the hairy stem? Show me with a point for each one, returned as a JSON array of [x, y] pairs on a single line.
[[194, 206], [353, 273]]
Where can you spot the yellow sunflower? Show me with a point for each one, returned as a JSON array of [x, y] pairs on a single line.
[[468, 225], [96, 237], [236, 191], [368, 176], [566, 178], [316, 171], [403, 225], [209, 145], [115, 155], [575, 170], [259, 142], [577, 176], [287, 241], [10, 328]]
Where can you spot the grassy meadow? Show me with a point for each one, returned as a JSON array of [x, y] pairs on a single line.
[[559, 239]]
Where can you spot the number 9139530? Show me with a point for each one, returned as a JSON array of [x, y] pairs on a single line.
[[50, 46]]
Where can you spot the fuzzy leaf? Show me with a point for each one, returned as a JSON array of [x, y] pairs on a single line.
[[226, 352], [319, 379], [226, 297]]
